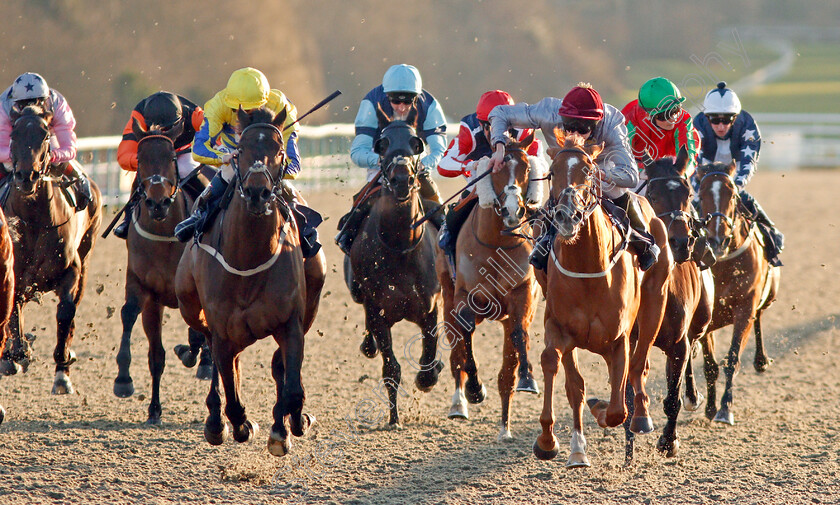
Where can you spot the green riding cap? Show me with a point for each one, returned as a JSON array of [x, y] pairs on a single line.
[[659, 95]]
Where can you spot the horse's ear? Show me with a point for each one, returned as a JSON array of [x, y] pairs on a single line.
[[525, 143], [681, 164], [243, 117], [138, 130], [594, 149], [280, 119], [732, 167], [646, 158], [416, 145], [380, 146], [552, 151], [175, 131]]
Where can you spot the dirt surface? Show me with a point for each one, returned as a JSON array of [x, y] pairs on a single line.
[[92, 447]]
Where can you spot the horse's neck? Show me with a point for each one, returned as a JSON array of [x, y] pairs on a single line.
[[741, 231], [395, 220], [488, 227], [46, 207], [247, 239], [593, 248]]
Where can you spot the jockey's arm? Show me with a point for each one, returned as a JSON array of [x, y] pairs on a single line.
[[292, 157], [747, 154], [5, 139], [615, 160], [433, 132], [367, 125], [63, 126]]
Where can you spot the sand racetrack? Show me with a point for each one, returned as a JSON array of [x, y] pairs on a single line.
[[92, 447]]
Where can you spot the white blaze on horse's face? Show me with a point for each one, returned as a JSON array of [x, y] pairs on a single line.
[[715, 189], [513, 197], [673, 185]]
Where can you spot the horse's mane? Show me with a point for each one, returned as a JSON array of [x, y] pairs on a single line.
[[32, 111], [261, 115], [411, 120]]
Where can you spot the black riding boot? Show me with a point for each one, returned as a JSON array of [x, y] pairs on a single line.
[[451, 226], [186, 229], [774, 240], [348, 225], [307, 220], [542, 247], [641, 241], [121, 230], [428, 188]]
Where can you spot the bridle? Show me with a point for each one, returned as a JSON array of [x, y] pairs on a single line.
[[411, 163], [694, 224], [45, 157], [705, 220], [258, 167], [576, 202], [156, 179]]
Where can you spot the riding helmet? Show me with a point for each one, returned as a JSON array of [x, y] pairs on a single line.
[[402, 78], [29, 86], [247, 88], [583, 102], [659, 95], [489, 100], [721, 100], [162, 109]]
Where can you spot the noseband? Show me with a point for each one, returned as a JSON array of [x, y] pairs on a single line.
[[45, 158], [156, 179], [584, 197], [409, 161], [258, 167], [717, 214]]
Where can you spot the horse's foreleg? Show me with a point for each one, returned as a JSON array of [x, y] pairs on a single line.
[[507, 375], [610, 415], [474, 389], [69, 294], [430, 364], [700, 321], [315, 271], [391, 372], [152, 321], [293, 392], [279, 443], [215, 428], [761, 362], [546, 446], [18, 352], [711, 370], [123, 384], [732, 364], [675, 365], [226, 356], [575, 392]]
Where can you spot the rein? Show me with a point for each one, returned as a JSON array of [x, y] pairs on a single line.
[[258, 167]]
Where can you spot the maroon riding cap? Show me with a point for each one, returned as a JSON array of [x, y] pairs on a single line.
[[582, 103]]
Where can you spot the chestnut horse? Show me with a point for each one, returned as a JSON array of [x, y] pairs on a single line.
[[153, 255], [745, 283], [246, 279], [7, 287], [688, 310], [55, 240], [594, 296], [494, 281], [392, 265]]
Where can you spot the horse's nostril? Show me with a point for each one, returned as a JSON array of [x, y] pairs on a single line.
[[149, 203], [18, 176], [265, 194]]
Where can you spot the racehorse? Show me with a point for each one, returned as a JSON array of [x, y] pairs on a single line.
[[55, 240], [494, 281], [246, 279], [392, 265], [745, 283], [153, 255], [594, 297], [688, 310], [7, 287]]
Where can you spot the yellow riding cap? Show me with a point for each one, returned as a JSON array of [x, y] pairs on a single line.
[[247, 88]]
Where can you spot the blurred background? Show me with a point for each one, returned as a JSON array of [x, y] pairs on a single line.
[[780, 56]]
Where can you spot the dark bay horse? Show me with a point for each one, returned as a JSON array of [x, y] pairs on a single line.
[[246, 279], [745, 283], [153, 256], [7, 287], [392, 265], [493, 281], [595, 295], [688, 310], [55, 240]]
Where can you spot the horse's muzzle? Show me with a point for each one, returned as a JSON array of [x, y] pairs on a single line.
[[26, 181], [681, 248], [158, 210], [258, 200]]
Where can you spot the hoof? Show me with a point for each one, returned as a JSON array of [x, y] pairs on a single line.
[[62, 385], [204, 372], [8, 367], [123, 388], [426, 379], [245, 431], [546, 455], [153, 420], [527, 385], [761, 365], [459, 411], [277, 445], [577, 460], [669, 447], [301, 425], [369, 347], [725, 416], [475, 392], [395, 426], [187, 357], [641, 425], [693, 406], [504, 435], [2, 414], [215, 437]]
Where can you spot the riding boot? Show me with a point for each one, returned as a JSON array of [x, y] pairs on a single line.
[[542, 246], [187, 228], [641, 241], [702, 252], [307, 220], [81, 184], [121, 230], [774, 240], [348, 225], [428, 188]]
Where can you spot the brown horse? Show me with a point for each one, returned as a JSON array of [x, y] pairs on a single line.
[[55, 240], [745, 283], [153, 255], [246, 279], [392, 265], [7, 287], [594, 296], [688, 309], [493, 281]]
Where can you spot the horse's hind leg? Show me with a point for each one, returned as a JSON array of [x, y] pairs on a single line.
[[314, 271], [18, 352], [205, 362], [677, 358], [215, 428], [123, 384], [391, 371], [70, 293], [762, 362], [152, 320]]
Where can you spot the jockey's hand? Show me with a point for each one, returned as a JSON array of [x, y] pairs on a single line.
[[497, 161], [226, 157]]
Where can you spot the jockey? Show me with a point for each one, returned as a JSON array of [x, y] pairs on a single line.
[[216, 141], [462, 155], [400, 97], [31, 89], [165, 111], [729, 134], [658, 126], [582, 113]]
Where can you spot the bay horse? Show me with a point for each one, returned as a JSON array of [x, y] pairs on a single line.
[[7, 287], [55, 240], [745, 283], [595, 295], [688, 310], [246, 279], [153, 256], [494, 281], [392, 265]]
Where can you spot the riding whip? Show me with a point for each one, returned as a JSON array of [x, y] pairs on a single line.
[[433, 212], [317, 106]]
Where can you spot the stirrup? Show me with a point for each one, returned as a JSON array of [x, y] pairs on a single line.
[[648, 258], [185, 230]]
